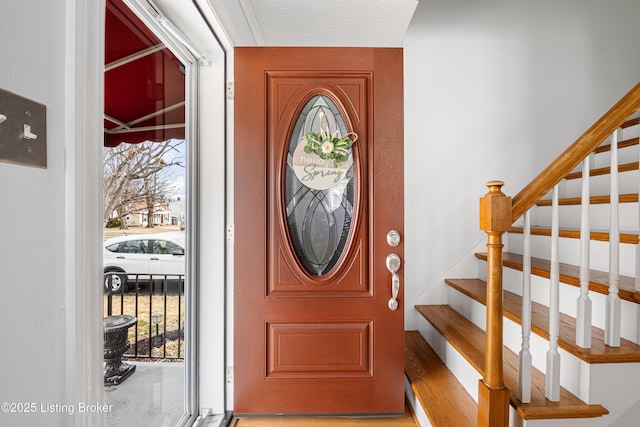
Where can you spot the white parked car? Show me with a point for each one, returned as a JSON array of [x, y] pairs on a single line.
[[140, 256]]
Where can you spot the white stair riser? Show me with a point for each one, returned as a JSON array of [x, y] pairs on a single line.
[[625, 155], [591, 383], [569, 216], [600, 185], [469, 377], [472, 310], [463, 371], [512, 281], [512, 338], [423, 420], [569, 252], [459, 367], [631, 132]]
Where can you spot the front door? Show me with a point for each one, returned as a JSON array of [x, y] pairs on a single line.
[[318, 193]]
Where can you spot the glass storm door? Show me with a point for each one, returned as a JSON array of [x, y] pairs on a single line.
[[318, 269]]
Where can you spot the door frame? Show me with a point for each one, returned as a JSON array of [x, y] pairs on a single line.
[[191, 62], [207, 195], [84, 101]]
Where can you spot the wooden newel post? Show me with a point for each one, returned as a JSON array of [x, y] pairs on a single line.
[[493, 396]]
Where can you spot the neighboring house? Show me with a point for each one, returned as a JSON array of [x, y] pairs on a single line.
[[178, 211], [139, 216], [493, 90]]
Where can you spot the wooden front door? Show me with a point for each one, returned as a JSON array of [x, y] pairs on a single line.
[[315, 330]]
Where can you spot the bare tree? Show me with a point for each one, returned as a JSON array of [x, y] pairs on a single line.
[[136, 174]]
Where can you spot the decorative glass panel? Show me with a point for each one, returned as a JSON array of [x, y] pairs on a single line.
[[319, 192]]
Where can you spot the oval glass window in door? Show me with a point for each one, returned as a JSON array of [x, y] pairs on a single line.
[[319, 194]]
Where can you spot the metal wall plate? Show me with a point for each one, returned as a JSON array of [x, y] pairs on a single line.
[[23, 130]]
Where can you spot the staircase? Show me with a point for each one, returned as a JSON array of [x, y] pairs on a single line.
[[561, 330]]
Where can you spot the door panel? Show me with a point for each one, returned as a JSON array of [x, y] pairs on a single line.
[[304, 350], [314, 333]]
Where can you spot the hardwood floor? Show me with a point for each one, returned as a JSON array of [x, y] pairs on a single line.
[[405, 421]]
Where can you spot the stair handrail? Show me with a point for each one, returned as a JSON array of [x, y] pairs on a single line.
[[576, 153]]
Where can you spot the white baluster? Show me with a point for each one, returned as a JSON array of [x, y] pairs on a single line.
[[524, 359], [612, 312], [552, 385], [583, 318], [638, 244]]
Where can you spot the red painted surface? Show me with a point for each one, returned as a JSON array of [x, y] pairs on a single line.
[[143, 86]]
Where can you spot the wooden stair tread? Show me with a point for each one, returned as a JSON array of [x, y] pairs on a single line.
[[570, 274], [594, 200], [625, 167], [512, 305], [603, 236], [469, 340], [429, 376]]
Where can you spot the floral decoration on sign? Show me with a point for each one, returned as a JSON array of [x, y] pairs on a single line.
[[329, 146]]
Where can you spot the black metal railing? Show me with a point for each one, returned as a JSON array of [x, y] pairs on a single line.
[[157, 301]]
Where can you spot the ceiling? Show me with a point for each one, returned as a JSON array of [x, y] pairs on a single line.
[[365, 23]]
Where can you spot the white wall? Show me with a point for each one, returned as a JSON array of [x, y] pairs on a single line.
[[49, 250], [496, 90]]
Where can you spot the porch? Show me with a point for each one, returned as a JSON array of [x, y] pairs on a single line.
[[153, 395]]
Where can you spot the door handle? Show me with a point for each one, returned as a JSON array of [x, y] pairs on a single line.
[[393, 265]]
